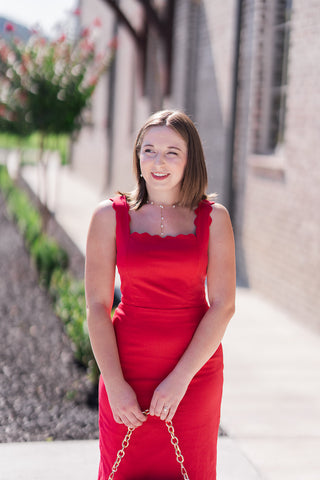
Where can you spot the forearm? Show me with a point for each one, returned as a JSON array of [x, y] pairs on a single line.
[[205, 341], [104, 345]]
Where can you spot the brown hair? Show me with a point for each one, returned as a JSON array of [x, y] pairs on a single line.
[[194, 181]]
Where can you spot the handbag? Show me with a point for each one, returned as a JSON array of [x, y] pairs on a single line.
[[174, 441]]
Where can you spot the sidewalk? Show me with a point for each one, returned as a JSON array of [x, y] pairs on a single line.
[[79, 460], [271, 403]]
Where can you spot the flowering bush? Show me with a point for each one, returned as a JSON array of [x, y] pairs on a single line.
[[45, 85], [12, 103]]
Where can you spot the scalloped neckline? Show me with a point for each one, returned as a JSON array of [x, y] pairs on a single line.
[[156, 235]]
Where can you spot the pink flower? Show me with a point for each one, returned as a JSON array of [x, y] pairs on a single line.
[[87, 46], [85, 32], [22, 96], [77, 12], [97, 22], [113, 44], [4, 52], [9, 27], [25, 58], [62, 38], [99, 57], [22, 69], [93, 81]]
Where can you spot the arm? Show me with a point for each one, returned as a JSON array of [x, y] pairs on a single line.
[[99, 284], [221, 282]]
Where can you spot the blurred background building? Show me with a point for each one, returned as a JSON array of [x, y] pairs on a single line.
[[247, 73]]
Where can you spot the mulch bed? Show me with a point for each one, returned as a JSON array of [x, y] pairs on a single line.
[[43, 392]]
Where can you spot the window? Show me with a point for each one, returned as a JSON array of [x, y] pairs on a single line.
[[271, 74]]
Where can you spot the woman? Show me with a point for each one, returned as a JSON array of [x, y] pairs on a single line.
[[161, 351]]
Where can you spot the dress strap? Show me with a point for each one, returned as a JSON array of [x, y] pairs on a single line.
[[203, 220], [121, 208]]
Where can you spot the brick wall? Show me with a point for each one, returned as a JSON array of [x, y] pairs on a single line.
[[278, 219], [203, 55], [277, 215]]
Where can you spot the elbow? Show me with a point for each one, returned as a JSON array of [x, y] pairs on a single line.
[[227, 309], [232, 307], [97, 312], [232, 310]]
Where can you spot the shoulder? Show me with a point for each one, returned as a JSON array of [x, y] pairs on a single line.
[[104, 211], [103, 219], [220, 221], [219, 211]]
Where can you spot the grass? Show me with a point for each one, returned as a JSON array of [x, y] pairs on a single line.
[[32, 142]]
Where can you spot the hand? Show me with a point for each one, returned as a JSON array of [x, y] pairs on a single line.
[[167, 396], [124, 405]]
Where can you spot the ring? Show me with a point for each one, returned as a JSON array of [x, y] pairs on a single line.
[[165, 409]]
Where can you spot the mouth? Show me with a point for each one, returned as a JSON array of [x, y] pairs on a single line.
[[160, 176]]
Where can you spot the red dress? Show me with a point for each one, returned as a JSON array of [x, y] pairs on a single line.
[[163, 301]]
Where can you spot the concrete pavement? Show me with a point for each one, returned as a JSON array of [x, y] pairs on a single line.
[[271, 403], [79, 460]]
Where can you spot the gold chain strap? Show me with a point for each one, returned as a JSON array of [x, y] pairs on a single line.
[[174, 441]]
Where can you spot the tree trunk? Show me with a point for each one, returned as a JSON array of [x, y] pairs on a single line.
[[43, 181]]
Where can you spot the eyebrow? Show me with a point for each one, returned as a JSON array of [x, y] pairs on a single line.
[[151, 145], [177, 148]]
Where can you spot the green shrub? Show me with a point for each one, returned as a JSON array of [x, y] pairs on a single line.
[[60, 143], [60, 283], [26, 216], [70, 306], [51, 261], [68, 296], [78, 332], [48, 256], [6, 184], [20, 208]]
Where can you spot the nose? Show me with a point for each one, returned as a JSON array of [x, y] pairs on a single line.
[[159, 158]]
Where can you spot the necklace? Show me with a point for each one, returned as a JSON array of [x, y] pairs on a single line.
[[162, 207]]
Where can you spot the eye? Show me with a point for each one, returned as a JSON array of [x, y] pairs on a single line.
[[149, 151], [172, 153]]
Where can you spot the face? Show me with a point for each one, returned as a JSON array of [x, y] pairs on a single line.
[[163, 158]]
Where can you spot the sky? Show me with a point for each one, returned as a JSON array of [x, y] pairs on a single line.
[[31, 12]]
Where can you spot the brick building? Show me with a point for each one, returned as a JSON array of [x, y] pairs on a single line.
[[247, 73]]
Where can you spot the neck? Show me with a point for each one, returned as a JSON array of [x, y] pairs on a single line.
[[161, 204], [166, 199]]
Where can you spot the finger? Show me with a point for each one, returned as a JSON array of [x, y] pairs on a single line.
[[135, 421], [152, 409], [171, 414], [127, 422], [152, 406], [164, 412], [159, 405], [158, 409], [136, 418], [136, 415], [117, 419], [140, 416]]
